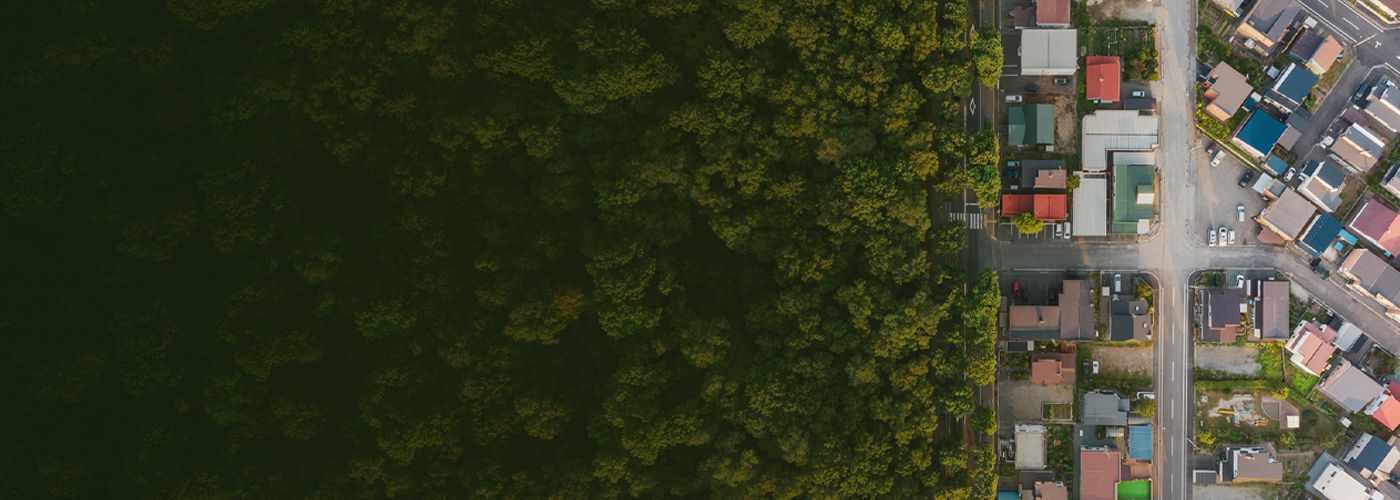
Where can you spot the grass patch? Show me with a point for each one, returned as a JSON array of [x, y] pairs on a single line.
[[1270, 360], [1059, 441], [1135, 490], [1057, 411]]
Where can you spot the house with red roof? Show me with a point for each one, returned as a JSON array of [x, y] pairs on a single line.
[[1052, 368], [1378, 225], [1103, 78], [1100, 470], [1312, 347], [1385, 410], [1052, 13], [1045, 207]]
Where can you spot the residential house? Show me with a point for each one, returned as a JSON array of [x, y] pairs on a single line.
[[1271, 311], [1390, 182], [1225, 91], [1134, 197], [1140, 442], [1287, 216], [1052, 13], [1358, 147], [1091, 207], [1321, 182], [1103, 79], [1034, 322], [1385, 108], [1023, 17], [1347, 336], [1378, 225], [1311, 347], [1385, 409], [1319, 235], [1033, 124], [1267, 22], [1291, 88], [1316, 50], [1349, 388], [1251, 464], [1046, 52], [1043, 174], [1050, 368], [1030, 446], [1372, 458], [1104, 408], [1077, 308], [1333, 481], [1374, 277], [1222, 312], [1129, 321], [1260, 132], [1113, 130], [1100, 470], [1045, 207]]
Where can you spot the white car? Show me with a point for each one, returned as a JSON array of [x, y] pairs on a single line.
[[1219, 155], [1068, 227], [1232, 236], [1239, 212], [1138, 93], [1117, 283], [1222, 236], [1288, 176], [1013, 98], [1059, 230], [1211, 232], [1239, 281]]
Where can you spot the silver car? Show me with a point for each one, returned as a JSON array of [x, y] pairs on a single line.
[[1222, 236], [1211, 232]]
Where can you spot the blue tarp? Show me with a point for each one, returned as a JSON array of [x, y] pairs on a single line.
[[1260, 132], [1140, 442], [1323, 232]]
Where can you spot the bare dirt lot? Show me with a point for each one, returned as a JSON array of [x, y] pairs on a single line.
[[1022, 400], [1228, 359], [1132, 10], [1066, 123], [1124, 360], [1232, 492]]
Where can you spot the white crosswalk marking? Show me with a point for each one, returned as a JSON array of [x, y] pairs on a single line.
[[972, 220]]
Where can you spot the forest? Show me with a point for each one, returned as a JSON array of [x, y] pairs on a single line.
[[506, 248]]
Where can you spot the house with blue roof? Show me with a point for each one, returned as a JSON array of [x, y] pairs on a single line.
[[1275, 165], [1140, 442], [1372, 457], [1258, 134], [1323, 231], [1291, 88]]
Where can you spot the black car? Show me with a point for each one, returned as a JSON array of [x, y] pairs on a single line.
[[1248, 176], [1032, 88]]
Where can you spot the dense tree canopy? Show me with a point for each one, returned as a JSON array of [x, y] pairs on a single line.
[[332, 249]]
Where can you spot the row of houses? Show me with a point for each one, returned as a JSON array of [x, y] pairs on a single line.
[[1264, 302], [1365, 470], [1073, 318]]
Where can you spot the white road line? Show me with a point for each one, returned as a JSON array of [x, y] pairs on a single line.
[[1348, 21]]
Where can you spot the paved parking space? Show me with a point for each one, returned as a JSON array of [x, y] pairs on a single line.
[[1007, 231], [1221, 196]]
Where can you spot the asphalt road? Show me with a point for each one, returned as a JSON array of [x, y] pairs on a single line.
[[1176, 251]]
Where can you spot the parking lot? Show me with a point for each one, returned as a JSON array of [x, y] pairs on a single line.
[[1222, 195]]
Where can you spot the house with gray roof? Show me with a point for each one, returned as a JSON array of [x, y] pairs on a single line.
[[1077, 311], [1322, 182], [1373, 277], [1348, 387], [1267, 23], [1385, 108], [1043, 174], [1358, 148], [1287, 216], [1222, 311], [1271, 311], [1251, 464], [1104, 408], [1372, 458], [1129, 321]]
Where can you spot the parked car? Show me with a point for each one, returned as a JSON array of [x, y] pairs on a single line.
[[1117, 283], [1059, 230], [1248, 176], [1211, 233], [1013, 98], [1138, 93], [1096, 367], [1211, 149], [1013, 163], [1068, 227], [1239, 212], [1215, 160], [1222, 235], [1239, 281], [1032, 88], [1232, 236], [1061, 81], [1288, 176]]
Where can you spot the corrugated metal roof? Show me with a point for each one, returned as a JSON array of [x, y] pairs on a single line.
[[1140, 442], [1091, 207], [1049, 52]]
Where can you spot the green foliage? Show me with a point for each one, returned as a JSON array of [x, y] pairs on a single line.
[[1072, 182], [1145, 407], [987, 55], [1028, 224], [488, 249]]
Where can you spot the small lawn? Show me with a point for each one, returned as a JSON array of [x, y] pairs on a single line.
[[1135, 490]]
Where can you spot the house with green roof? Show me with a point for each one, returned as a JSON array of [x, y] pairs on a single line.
[[1134, 199], [1033, 124]]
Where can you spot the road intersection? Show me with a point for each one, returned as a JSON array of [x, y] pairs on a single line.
[[1176, 250]]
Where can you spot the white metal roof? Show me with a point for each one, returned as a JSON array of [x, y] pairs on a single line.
[[1049, 52], [1090, 210], [1117, 130]]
